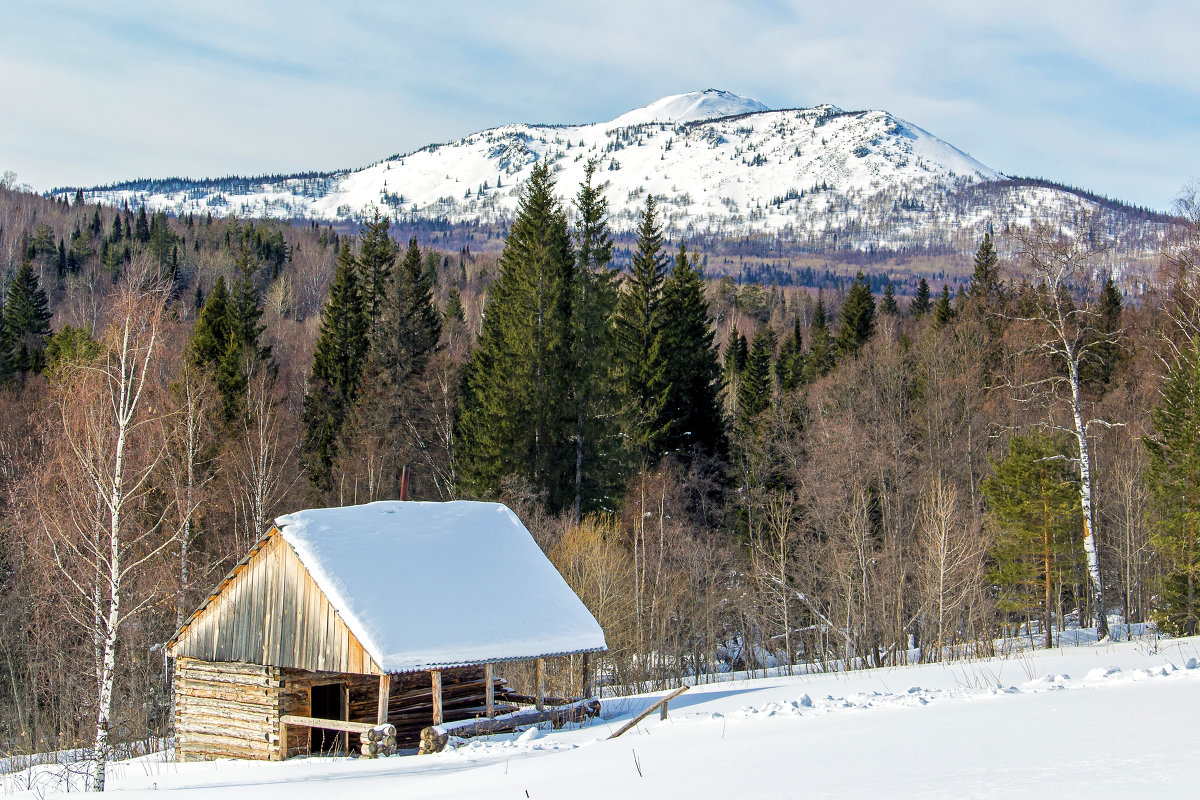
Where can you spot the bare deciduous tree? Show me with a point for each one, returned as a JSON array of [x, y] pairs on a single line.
[[92, 499]]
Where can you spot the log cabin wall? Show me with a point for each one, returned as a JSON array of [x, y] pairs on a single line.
[[232, 710], [226, 710], [270, 611]]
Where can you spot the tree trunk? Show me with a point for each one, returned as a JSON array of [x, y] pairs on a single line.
[[1090, 547]]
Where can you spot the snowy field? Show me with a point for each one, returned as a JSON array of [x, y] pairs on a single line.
[[1094, 721]]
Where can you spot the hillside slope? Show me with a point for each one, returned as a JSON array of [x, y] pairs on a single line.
[[722, 165]]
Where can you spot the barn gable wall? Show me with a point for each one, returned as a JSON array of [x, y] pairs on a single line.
[[271, 612]]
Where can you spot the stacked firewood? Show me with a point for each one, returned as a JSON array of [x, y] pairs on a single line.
[[379, 741]]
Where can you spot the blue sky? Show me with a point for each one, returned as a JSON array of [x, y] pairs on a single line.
[[1099, 94]]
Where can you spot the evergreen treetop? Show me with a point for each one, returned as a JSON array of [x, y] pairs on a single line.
[[985, 282], [638, 325], [337, 369], [943, 311], [858, 316], [691, 409], [920, 305], [25, 322], [888, 305], [516, 412]]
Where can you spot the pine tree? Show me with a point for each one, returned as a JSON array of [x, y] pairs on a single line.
[[336, 371], [985, 282], [888, 305], [638, 327], [1034, 498], [822, 351], [1173, 476], [691, 411], [858, 316], [754, 391], [26, 322], [943, 311], [515, 413], [377, 253], [920, 303]]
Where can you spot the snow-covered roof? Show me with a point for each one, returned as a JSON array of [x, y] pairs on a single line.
[[433, 585]]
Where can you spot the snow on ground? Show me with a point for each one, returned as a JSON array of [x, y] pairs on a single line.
[[1096, 721]]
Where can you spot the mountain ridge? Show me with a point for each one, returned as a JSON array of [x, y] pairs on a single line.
[[820, 177]]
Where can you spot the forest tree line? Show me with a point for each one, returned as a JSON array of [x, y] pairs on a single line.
[[729, 476]]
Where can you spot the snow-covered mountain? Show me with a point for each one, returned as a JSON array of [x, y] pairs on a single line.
[[719, 163]]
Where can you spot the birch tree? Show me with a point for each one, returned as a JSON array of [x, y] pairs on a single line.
[[91, 502], [1064, 327]]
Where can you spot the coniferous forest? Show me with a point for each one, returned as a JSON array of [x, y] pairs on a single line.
[[730, 476]]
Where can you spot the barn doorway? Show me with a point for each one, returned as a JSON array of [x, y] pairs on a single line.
[[328, 702]]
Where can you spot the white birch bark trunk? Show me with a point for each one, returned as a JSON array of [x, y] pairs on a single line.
[[1090, 549]]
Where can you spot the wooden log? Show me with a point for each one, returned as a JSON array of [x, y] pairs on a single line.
[[435, 737], [328, 724], [385, 693], [660, 703], [541, 684], [489, 689], [587, 675], [436, 695]]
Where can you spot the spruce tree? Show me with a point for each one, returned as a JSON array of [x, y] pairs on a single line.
[[790, 368], [377, 253], [213, 329], [754, 391], [142, 226], [454, 308], [943, 311], [888, 305], [1034, 498], [858, 316], [691, 411], [515, 412], [26, 321], [336, 371], [920, 304], [638, 326], [390, 420], [736, 350], [1105, 353], [1173, 476], [985, 282], [593, 303], [822, 351]]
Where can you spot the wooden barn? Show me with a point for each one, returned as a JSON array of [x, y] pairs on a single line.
[[391, 612]]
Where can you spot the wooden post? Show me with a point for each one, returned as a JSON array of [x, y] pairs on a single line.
[[587, 675], [489, 690], [385, 690], [437, 696], [541, 684], [282, 740]]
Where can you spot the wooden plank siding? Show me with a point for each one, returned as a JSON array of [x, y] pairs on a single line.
[[271, 611]]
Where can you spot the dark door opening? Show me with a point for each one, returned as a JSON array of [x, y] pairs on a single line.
[[328, 702]]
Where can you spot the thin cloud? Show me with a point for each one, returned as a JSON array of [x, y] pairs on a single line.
[[1098, 94]]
